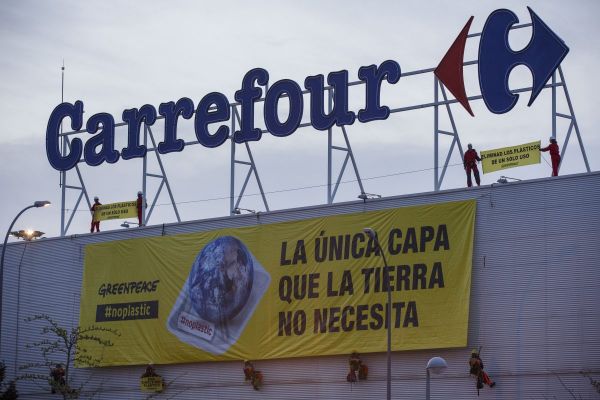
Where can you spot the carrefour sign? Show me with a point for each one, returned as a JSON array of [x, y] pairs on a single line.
[[542, 56]]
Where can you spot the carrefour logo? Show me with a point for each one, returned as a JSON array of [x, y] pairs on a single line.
[[542, 56]]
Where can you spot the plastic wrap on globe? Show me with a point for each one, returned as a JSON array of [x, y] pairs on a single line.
[[224, 286]]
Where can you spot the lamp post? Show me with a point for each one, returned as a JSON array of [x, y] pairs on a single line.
[[437, 365], [36, 204], [373, 236]]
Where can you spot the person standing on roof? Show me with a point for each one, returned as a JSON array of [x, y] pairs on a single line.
[[95, 222], [554, 155], [141, 204], [470, 164]]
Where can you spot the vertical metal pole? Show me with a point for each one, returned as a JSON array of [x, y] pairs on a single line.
[[435, 134], [63, 174], [427, 393], [145, 177], [232, 166], [389, 322], [554, 104], [2, 265], [329, 150]]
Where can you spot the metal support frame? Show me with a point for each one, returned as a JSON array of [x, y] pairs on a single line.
[[349, 156], [570, 116], [64, 227], [333, 182], [235, 200], [438, 176], [164, 181]]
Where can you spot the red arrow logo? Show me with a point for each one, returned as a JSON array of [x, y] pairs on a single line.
[[450, 69]]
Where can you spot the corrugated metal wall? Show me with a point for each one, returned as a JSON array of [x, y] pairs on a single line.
[[534, 305]]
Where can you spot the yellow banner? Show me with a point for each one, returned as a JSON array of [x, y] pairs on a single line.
[[124, 209], [510, 157], [301, 288]]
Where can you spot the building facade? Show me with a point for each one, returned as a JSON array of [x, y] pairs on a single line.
[[534, 306]]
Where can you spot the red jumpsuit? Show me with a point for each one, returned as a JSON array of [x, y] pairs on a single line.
[[554, 156], [95, 224], [470, 163]]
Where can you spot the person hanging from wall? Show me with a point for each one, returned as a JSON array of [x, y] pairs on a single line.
[[554, 155], [141, 204], [57, 378], [250, 374], [358, 370], [470, 164], [95, 222], [150, 372], [476, 369]]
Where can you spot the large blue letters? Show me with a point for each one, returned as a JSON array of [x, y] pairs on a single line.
[[373, 76], [294, 94], [134, 117], [205, 117], [105, 139], [246, 96], [542, 56], [56, 159], [171, 111], [339, 115]]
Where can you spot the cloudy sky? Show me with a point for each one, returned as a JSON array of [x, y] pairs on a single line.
[[125, 54]]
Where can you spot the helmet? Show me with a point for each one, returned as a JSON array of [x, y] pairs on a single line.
[[469, 145], [96, 198], [139, 192], [474, 351]]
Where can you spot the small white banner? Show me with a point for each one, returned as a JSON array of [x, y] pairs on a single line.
[[196, 326]]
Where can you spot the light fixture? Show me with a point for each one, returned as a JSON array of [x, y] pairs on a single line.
[[364, 196], [373, 236], [505, 179], [238, 210], [41, 203], [27, 234], [125, 224], [437, 365]]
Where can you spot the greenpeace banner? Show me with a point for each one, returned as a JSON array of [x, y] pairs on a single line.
[[510, 157], [124, 209], [301, 288]]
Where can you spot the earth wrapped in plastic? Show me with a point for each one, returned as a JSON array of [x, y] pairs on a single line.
[[221, 279]]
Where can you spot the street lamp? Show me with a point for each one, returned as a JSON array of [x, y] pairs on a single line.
[[373, 236], [365, 196], [437, 365], [27, 234], [238, 210], [37, 204], [505, 179]]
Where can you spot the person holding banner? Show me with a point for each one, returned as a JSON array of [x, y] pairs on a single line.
[[554, 155], [95, 222], [470, 164]]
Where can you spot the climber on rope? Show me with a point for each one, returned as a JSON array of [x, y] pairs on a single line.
[[476, 369], [250, 374]]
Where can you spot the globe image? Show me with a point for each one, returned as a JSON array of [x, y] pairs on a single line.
[[221, 279]]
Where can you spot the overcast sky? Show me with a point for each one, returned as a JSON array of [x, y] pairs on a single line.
[[125, 54]]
